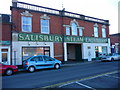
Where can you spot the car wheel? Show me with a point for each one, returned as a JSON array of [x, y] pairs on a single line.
[[31, 69], [57, 66], [112, 59], [9, 72]]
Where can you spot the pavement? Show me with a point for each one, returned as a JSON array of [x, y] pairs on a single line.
[[69, 63]]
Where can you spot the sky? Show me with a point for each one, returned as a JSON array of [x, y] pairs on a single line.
[[103, 9]]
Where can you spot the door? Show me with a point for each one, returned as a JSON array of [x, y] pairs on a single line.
[[89, 56], [38, 62], [78, 52], [5, 57], [49, 62], [0, 68]]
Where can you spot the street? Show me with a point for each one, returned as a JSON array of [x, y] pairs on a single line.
[[83, 75]]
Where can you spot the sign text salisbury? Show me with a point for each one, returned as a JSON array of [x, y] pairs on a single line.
[[59, 38]]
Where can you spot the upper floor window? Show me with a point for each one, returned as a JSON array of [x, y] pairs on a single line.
[[74, 28], [80, 32], [26, 21], [26, 24], [95, 31], [67, 30], [44, 26], [104, 31]]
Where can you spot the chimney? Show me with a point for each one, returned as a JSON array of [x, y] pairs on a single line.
[[14, 3]]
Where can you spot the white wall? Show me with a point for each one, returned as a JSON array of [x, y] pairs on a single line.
[[17, 47], [92, 45]]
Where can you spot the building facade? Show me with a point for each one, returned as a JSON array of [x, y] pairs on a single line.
[[5, 38], [63, 35], [115, 43]]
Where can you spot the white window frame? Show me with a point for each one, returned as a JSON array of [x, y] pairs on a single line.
[[48, 27], [26, 24]]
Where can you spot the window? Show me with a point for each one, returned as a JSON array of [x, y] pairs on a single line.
[[74, 29], [67, 31], [103, 33], [104, 49], [46, 58], [40, 58], [35, 59], [26, 24], [34, 51], [80, 32], [44, 26], [95, 31]]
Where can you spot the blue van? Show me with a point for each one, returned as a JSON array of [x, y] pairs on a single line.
[[41, 62]]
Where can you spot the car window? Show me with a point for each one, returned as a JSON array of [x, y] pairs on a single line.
[[35, 59], [47, 58], [40, 58], [52, 59]]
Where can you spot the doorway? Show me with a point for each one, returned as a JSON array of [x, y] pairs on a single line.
[[74, 52], [5, 55]]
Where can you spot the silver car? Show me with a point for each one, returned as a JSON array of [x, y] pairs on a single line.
[[112, 57]]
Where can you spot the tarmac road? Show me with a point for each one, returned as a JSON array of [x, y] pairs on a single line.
[[80, 75]]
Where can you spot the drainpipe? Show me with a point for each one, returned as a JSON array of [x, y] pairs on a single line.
[[62, 30]]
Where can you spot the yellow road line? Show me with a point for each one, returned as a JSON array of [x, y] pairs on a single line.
[[77, 80]]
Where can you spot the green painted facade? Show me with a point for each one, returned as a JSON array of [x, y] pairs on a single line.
[[4, 42], [58, 38]]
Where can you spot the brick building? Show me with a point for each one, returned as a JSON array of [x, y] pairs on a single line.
[[115, 43], [38, 30], [5, 38]]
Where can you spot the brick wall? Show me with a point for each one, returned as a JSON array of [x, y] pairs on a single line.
[[58, 51], [115, 39], [6, 32], [56, 24]]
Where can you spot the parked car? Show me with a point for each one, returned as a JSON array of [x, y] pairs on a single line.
[[8, 69], [40, 62], [111, 57]]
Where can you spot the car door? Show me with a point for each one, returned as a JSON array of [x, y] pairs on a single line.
[[0, 68], [115, 57], [40, 63], [49, 62]]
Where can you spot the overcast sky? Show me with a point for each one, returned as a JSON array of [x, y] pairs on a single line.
[[103, 9]]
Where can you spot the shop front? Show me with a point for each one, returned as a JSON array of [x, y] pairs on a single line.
[[5, 52], [25, 45], [75, 48], [85, 48]]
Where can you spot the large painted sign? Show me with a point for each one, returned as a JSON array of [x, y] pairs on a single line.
[[39, 37], [59, 38], [4, 42]]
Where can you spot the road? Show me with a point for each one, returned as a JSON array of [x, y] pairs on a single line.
[[83, 75]]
